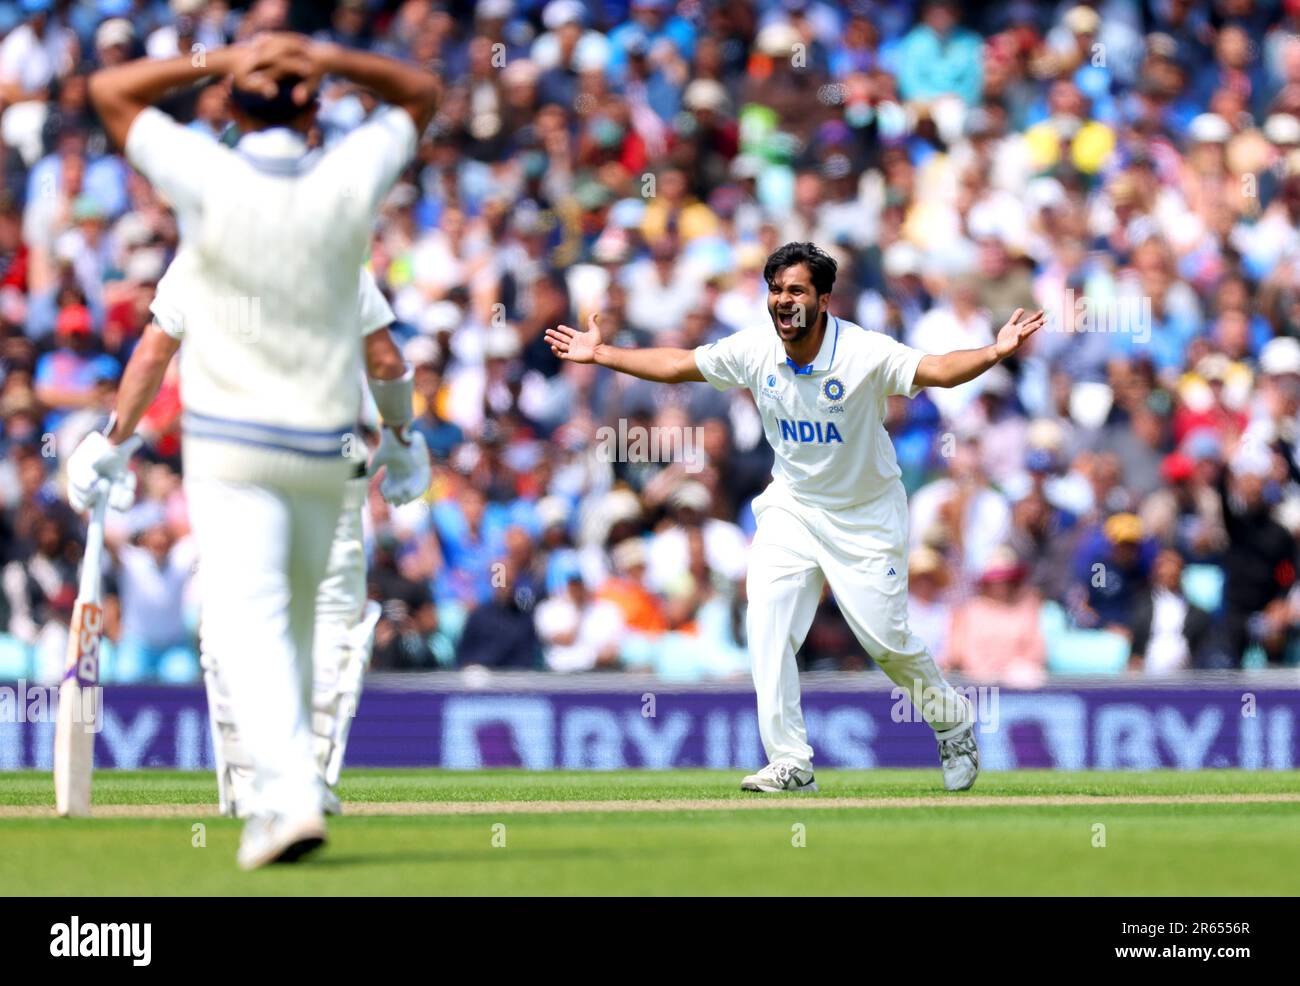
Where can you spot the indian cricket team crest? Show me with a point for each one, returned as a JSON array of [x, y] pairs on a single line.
[[833, 390]]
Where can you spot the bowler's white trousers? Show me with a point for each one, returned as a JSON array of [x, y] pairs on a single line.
[[796, 550], [263, 551]]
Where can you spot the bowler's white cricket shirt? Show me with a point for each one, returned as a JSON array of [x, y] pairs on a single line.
[[271, 365], [824, 421]]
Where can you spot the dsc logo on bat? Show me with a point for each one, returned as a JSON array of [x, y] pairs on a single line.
[[92, 625]]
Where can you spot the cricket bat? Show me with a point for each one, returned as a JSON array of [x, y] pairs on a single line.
[[79, 698]]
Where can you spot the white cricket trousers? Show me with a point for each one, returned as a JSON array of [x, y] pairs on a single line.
[[262, 556], [796, 550]]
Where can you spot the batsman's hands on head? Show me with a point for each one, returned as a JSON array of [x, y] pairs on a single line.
[[274, 55], [95, 462], [405, 460], [1013, 335], [574, 346]]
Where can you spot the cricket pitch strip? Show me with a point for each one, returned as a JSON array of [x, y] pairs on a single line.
[[757, 802]]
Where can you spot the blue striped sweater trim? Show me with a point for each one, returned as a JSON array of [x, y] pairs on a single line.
[[322, 443]]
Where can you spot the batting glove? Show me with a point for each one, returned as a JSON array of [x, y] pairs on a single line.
[[407, 473], [96, 464]]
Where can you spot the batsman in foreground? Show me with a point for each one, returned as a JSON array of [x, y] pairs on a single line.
[[268, 408], [835, 512], [345, 621]]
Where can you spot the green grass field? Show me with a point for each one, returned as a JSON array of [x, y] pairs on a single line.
[[689, 832]]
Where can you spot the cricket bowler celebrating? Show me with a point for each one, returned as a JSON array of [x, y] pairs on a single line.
[[269, 405], [835, 512]]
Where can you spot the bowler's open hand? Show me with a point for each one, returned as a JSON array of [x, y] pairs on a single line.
[[575, 346], [1013, 335]]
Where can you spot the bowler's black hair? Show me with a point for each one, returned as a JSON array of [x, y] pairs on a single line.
[[821, 265], [276, 110]]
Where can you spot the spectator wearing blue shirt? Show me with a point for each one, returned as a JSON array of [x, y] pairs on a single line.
[[652, 21], [500, 633], [65, 378], [939, 58], [1111, 568], [471, 532]]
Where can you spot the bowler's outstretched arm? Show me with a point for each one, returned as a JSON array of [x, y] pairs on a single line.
[[958, 367], [662, 365]]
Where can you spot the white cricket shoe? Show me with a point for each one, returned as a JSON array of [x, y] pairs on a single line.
[[959, 755], [780, 777], [279, 839]]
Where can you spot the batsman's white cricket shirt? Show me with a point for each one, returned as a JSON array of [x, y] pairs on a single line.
[[168, 305], [824, 421], [277, 233]]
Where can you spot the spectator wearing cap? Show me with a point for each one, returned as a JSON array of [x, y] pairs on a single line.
[[500, 633], [1207, 396], [643, 612], [1077, 56], [1169, 633], [1259, 564], [1185, 513], [995, 635], [939, 57], [712, 135], [652, 87], [565, 49], [1275, 404], [114, 42], [1282, 132], [779, 86], [86, 248], [66, 378], [1112, 566]]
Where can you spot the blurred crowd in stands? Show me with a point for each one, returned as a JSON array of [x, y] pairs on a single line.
[[1122, 498]]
